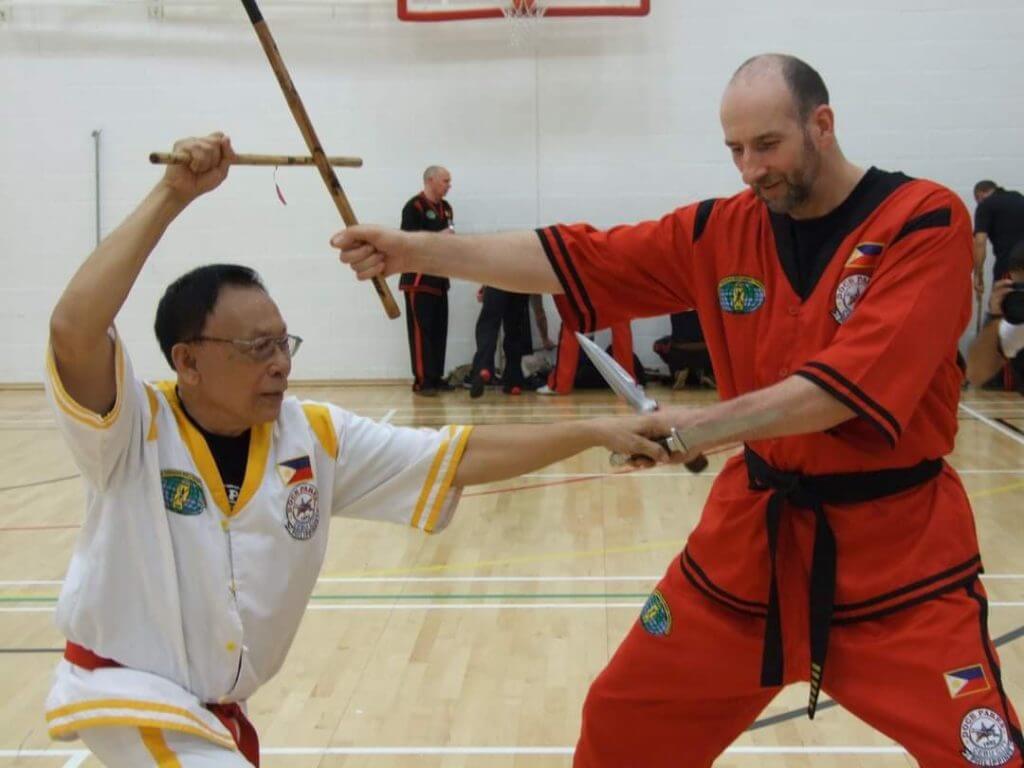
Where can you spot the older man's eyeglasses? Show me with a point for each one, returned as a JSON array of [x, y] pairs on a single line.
[[263, 348]]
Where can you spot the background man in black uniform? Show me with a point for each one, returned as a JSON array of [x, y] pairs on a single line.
[[426, 296], [501, 310], [999, 218], [1001, 341]]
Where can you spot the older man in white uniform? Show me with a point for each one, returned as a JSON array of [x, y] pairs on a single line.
[[209, 498]]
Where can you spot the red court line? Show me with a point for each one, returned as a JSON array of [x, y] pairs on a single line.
[[510, 489], [513, 489], [569, 481]]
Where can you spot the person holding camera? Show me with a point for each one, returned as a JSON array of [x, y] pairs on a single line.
[[1002, 338], [999, 218]]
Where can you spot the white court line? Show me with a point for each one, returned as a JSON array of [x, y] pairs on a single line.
[[670, 474], [994, 424], [486, 579], [426, 751], [653, 475], [1015, 411], [595, 605], [388, 416], [493, 751], [471, 579], [521, 579], [989, 471], [481, 580], [29, 609], [76, 761]]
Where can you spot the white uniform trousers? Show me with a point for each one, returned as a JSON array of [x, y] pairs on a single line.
[[126, 747]]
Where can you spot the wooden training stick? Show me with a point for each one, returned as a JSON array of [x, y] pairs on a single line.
[[306, 127], [180, 158]]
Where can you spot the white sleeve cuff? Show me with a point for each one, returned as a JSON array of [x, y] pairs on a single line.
[[1011, 339]]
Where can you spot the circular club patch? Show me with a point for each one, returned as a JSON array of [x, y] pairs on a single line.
[[985, 739], [302, 512], [656, 617], [847, 294]]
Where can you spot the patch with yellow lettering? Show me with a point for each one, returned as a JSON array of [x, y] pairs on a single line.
[[656, 616], [183, 493], [740, 294]]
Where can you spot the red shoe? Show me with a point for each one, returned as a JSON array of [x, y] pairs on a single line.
[[514, 391]]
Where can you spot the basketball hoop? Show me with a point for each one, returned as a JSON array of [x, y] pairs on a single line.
[[524, 16]]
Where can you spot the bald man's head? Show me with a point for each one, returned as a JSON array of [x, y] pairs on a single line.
[[436, 182], [805, 86], [779, 128]]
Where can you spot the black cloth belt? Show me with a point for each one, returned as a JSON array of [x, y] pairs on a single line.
[[813, 492]]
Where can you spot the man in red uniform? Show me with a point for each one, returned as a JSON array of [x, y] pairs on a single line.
[[832, 298]]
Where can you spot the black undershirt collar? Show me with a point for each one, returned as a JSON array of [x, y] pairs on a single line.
[[230, 453], [807, 246]]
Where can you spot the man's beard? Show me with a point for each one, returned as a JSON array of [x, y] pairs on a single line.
[[798, 184], [797, 191]]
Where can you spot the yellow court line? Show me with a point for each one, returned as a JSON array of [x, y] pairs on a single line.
[[469, 566], [997, 490], [653, 546]]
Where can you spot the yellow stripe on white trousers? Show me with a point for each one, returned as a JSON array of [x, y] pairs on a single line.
[[155, 742]]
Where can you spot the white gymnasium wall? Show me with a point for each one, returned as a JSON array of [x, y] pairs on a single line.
[[606, 121]]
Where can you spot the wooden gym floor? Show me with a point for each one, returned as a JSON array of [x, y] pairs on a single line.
[[475, 647]]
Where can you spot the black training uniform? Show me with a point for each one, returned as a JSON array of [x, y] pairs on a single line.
[[426, 297]]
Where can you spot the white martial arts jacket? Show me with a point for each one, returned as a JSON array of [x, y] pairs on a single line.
[[200, 602]]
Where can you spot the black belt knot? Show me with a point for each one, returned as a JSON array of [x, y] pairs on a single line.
[[813, 492]]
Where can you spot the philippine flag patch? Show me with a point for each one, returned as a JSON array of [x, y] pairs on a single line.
[[964, 682], [295, 471], [864, 256]]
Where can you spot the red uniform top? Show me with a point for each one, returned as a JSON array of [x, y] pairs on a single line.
[[871, 313]]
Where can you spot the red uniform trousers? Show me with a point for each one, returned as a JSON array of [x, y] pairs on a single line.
[[563, 376], [426, 319], [679, 699]]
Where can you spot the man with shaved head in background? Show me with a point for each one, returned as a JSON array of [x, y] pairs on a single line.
[[832, 297], [426, 296]]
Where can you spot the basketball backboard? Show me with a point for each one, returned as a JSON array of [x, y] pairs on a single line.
[[468, 10]]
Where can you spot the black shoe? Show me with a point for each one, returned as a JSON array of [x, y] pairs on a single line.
[[480, 379], [425, 391], [444, 386]]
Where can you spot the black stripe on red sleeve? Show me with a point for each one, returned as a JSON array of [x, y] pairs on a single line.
[[703, 214], [560, 273], [588, 308], [849, 403], [940, 217], [859, 394], [558, 254]]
